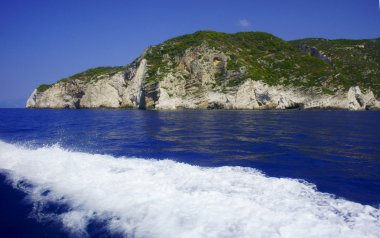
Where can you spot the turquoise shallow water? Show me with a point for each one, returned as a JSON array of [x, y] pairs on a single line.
[[337, 151]]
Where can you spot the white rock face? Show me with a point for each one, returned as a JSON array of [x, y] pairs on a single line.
[[359, 101], [32, 100], [119, 90], [60, 95], [258, 95], [104, 92], [132, 94], [166, 102]]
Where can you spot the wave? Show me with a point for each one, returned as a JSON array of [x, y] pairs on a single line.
[[164, 198]]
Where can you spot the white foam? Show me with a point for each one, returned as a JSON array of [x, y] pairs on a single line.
[[150, 198]]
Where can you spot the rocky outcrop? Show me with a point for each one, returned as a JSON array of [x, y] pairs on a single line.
[[358, 100], [258, 95], [104, 92], [133, 92], [201, 78], [315, 53], [124, 89], [60, 95]]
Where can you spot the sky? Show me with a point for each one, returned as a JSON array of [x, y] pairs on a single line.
[[42, 41]]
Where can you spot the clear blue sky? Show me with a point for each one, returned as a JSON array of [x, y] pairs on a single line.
[[42, 41]]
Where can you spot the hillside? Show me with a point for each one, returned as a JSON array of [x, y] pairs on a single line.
[[357, 62], [255, 55], [204, 69]]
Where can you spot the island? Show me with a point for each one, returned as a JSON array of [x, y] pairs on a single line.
[[214, 70]]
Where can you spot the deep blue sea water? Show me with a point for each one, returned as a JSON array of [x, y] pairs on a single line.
[[337, 151]]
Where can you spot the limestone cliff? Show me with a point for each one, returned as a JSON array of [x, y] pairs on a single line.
[[209, 70]]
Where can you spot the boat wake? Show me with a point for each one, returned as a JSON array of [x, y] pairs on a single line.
[[163, 198]]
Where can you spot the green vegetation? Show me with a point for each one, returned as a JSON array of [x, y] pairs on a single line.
[[327, 91], [86, 76], [43, 88], [275, 61], [233, 64], [356, 62], [94, 73], [264, 56]]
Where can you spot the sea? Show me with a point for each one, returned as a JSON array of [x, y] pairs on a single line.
[[189, 173]]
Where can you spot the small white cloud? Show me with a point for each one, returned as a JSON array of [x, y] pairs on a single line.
[[244, 23]]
